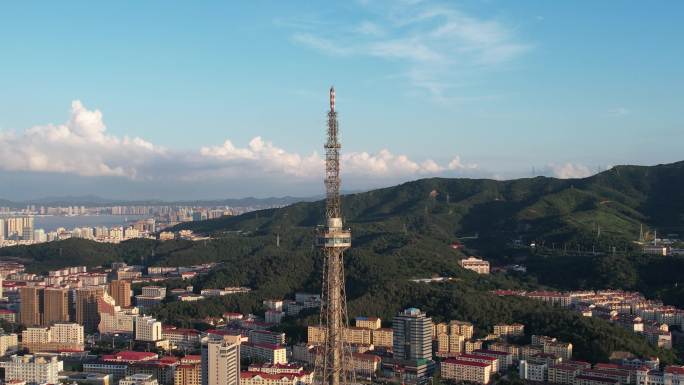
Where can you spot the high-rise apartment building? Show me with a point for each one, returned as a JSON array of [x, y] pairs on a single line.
[[55, 305], [86, 307], [412, 335], [31, 298], [121, 292], [221, 361], [412, 346], [19, 227]]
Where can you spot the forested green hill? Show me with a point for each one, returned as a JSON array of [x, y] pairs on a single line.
[[404, 232]]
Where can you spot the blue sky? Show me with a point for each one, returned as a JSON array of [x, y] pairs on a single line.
[[471, 88]]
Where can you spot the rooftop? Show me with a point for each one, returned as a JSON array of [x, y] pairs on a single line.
[[455, 361], [128, 355]]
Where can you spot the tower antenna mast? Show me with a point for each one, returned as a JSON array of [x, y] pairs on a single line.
[[333, 365]]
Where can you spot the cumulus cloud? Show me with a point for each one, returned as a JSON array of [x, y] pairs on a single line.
[[82, 146], [457, 164], [265, 157]]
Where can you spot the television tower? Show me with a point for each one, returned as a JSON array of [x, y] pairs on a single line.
[[333, 366]]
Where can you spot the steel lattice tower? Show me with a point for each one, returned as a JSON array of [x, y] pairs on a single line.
[[333, 366]]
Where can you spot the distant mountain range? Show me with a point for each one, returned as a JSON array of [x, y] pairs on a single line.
[[93, 201]]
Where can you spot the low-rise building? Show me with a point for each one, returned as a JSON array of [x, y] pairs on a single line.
[[463, 328], [138, 379], [57, 338], [477, 265], [590, 380], [565, 373], [8, 315], [382, 337], [276, 368], [372, 323], [266, 337], [472, 345], [9, 343], [504, 330], [504, 359], [34, 369], [609, 371], [148, 329], [276, 354], [533, 370], [560, 349], [181, 338], [462, 370], [116, 369], [188, 374], [260, 378], [160, 370], [493, 361], [80, 378], [365, 365]]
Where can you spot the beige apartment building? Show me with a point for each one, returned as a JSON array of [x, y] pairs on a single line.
[[462, 370]]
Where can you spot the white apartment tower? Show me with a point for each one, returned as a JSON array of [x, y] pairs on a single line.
[[221, 361]]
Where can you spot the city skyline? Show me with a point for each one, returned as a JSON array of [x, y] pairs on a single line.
[[195, 102]]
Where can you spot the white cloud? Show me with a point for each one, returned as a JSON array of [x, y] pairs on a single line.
[[82, 146], [436, 41], [569, 170], [457, 164], [263, 156]]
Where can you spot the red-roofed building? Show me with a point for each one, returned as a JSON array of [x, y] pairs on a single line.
[[366, 365], [276, 368], [458, 369], [493, 361], [162, 371], [591, 380], [129, 356], [505, 359], [622, 376]]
